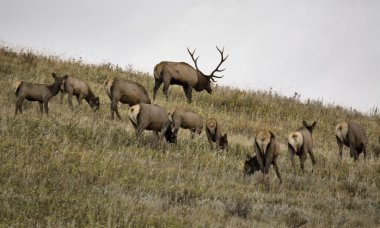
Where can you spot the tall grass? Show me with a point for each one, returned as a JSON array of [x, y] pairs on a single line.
[[79, 168]]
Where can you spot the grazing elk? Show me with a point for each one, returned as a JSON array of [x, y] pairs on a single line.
[[214, 135], [186, 119], [151, 117], [125, 91], [180, 73], [37, 92], [353, 136], [81, 90], [300, 143], [267, 150]]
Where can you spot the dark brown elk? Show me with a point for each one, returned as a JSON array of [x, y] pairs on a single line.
[[81, 90], [267, 150], [353, 136], [125, 91], [151, 117], [37, 92], [300, 143], [180, 73], [186, 119], [214, 135]]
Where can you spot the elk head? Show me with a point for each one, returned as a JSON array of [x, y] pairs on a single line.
[[204, 81]]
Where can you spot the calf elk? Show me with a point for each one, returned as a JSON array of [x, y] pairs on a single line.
[[186, 119], [214, 135], [151, 117], [81, 90], [353, 136], [37, 92], [300, 143], [125, 91], [267, 151]]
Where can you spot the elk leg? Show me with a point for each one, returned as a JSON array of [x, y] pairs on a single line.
[[188, 92], [302, 160], [114, 109], [157, 84], [209, 138], [275, 166], [364, 151], [312, 157], [353, 153], [292, 161], [340, 147], [70, 100], [165, 89], [41, 107], [62, 95], [163, 131], [268, 163], [192, 132], [19, 102], [79, 99], [46, 107]]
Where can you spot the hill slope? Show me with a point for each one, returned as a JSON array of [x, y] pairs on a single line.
[[81, 168]]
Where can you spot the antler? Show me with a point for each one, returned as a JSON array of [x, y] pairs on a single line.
[[192, 56], [211, 76]]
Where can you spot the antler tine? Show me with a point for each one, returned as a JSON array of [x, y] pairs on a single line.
[[221, 61], [192, 56]]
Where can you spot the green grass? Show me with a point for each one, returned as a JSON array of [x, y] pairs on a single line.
[[79, 168]]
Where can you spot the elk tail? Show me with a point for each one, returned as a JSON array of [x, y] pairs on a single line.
[[158, 71], [133, 113], [16, 86], [108, 86]]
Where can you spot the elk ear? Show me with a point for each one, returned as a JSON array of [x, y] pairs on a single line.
[[53, 75], [314, 123], [304, 123]]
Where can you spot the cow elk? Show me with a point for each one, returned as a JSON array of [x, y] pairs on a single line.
[[300, 143], [125, 91], [151, 117], [214, 134], [180, 73], [186, 119], [37, 92], [81, 90], [267, 150], [353, 136]]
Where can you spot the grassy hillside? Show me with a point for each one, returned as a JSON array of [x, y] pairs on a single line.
[[79, 168]]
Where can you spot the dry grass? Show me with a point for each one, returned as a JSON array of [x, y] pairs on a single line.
[[79, 168]]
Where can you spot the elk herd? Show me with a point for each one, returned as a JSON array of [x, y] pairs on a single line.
[[146, 116]]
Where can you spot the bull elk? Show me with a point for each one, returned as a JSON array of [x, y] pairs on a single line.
[[267, 150], [186, 119], [214, 134], [151, 117], [125, 91], [181, 73], [81, 90], [37, 92], [300, 143], [353, 136]]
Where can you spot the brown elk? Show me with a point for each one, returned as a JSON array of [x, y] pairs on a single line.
[[180, 73], [267, 150], [81, 90], [37, 92], [186, 119], [125, 91], [300, 143], [214, 135], [353, 136], [151, 117]]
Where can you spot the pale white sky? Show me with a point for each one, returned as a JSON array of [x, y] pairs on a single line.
[[325, 49]]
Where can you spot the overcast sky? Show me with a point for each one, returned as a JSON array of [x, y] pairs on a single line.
[[325, 49]]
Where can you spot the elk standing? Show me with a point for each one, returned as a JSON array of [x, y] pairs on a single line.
[[186, 119], [125, 91], [300, 143], [180, 73], [267, 150], [151, 117], [214, 135], [353, 136], [81, 90], [37, 92]]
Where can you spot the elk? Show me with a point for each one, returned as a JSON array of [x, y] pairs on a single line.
[[186, 119], [181, 73], [151, 117], [353, 136], [125, 91], [81, 90], [37, 92], [300, 143], [267, 150], [214, 135]]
